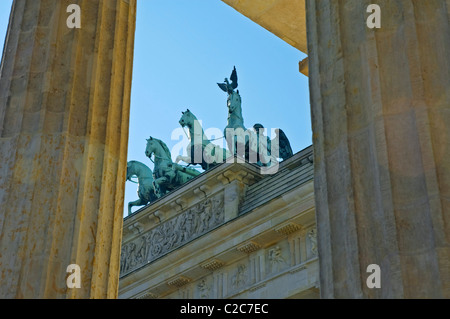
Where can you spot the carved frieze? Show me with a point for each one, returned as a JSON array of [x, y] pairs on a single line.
[[172, 233]]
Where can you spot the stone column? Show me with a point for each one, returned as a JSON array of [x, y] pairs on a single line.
[[64, 114], [381, 120]]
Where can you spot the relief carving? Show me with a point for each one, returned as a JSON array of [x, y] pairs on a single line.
[[203, 289], [276, 259], [312, 235], [240, 278], [173, 233]]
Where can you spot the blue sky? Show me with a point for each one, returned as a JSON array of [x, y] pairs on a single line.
[[183, 48], [5, 8]]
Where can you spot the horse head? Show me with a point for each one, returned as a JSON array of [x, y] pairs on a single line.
[[130, 172], [187, 119], [157, 147], [150, 149]]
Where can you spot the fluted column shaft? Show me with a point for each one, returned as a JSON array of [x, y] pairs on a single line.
[[381, 120], [64, 114]]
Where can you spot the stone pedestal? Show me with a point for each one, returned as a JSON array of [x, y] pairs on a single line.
[[64, 113], [381, 113]]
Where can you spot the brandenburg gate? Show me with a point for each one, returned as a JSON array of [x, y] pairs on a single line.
[[380, 102]]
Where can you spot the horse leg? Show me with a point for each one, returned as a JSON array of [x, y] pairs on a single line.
[[186, 159], [139, 202]]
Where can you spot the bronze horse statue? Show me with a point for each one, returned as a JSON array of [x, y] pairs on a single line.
[[167, 175], [145, 191]]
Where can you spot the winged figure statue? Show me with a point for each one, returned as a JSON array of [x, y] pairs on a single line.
[[285, 150], [227, 86]]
